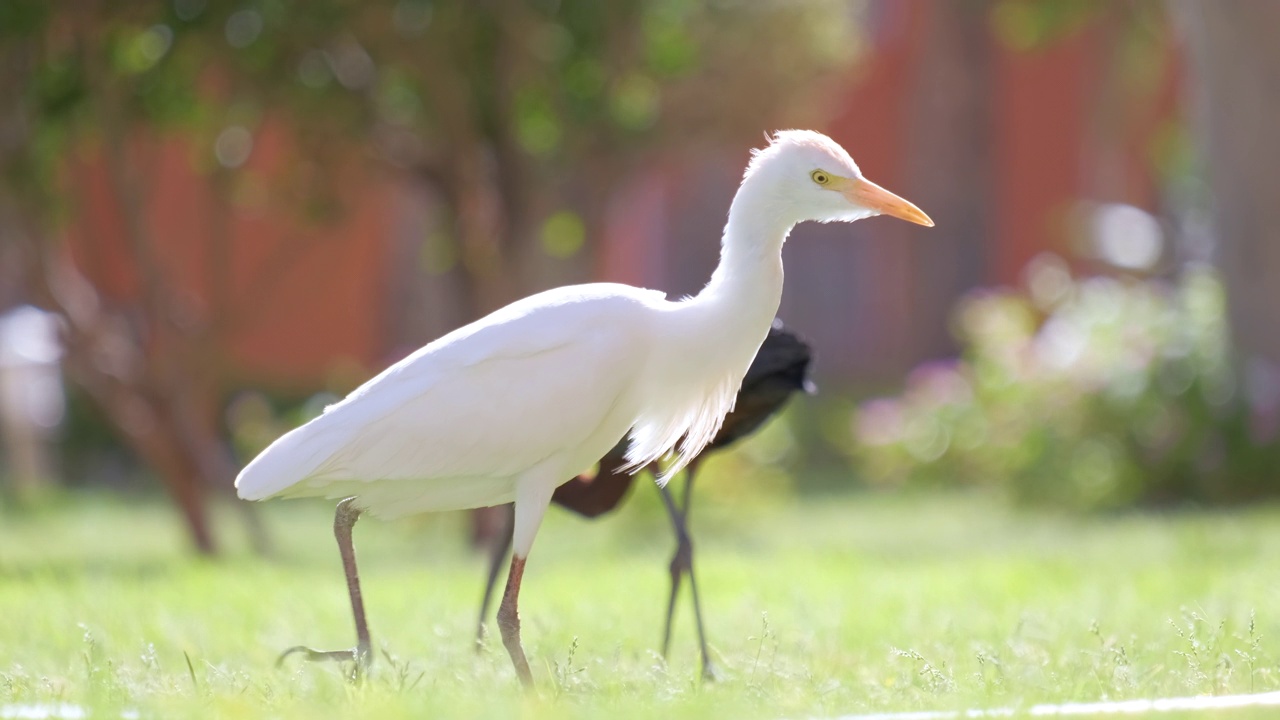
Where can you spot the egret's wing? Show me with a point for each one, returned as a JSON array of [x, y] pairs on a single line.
[[489, 401]]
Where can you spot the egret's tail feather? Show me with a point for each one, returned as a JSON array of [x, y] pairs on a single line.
[[292, 458]]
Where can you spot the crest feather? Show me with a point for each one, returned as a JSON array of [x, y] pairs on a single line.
[[799, 138]]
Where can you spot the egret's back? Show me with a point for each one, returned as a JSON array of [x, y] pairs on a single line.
[[542, 381]]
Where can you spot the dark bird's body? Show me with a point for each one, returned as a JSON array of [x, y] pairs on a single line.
[[780, 368]]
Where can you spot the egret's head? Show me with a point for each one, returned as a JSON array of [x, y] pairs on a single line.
[[817, 180]]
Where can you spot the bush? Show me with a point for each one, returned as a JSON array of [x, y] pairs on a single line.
[[1088, 393]]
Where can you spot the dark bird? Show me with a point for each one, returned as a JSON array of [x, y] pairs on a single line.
[[779, 369]]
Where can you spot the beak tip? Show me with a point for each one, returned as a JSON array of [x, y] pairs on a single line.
[[882, 202]]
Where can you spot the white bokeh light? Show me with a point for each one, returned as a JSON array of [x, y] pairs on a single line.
[[1127, 237]]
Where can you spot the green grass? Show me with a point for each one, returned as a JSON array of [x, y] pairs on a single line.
[[816, 606]]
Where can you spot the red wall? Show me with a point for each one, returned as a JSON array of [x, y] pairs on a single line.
[[302, 298]]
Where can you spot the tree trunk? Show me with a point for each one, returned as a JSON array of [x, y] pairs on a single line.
[[157, 441], [187, 490], [949, 170], [1235, 83]]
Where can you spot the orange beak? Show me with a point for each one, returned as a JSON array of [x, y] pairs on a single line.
[[872, 196]]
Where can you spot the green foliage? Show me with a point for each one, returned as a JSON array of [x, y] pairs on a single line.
[[563, 234], [99, 76], [1093, 393], [468, 94]]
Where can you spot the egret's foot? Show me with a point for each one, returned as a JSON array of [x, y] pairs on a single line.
[[360, 657], [709, 672]]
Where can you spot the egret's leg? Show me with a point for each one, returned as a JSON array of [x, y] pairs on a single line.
[[344, 518], [501, 546], [532, 498], [681, 565], [509, 621]]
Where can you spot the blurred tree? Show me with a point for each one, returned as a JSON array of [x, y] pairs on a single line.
[[86, 80], [1235, 85], [515, 112], [951, 163], [952, 158], [512, 112]]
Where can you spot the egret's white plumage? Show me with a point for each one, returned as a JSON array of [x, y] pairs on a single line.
[[517, 403], [449, 426]]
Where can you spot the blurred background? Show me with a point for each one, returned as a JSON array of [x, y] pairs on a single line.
[[217, 217]]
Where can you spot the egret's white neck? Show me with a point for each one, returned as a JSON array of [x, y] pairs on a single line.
[[746, 287], [726, 322], [710, 340]]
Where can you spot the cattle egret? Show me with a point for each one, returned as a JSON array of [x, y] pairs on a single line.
[[780, 368], [517, 403]]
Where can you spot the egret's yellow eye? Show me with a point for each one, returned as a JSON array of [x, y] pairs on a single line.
[[820, 177]]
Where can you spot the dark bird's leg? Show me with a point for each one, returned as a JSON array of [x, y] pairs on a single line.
[[345, 517], [676, 567], [681, 565], [501, 546], [708, 669]]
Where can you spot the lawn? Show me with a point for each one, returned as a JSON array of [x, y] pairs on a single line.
[[817, 606]]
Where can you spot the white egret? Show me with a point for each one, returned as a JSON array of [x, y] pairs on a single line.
[[511, 406]]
